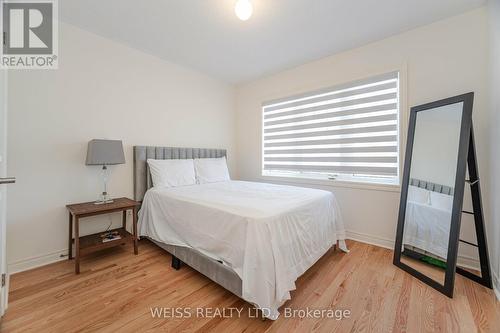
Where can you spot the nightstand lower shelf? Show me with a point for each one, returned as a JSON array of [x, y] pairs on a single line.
[[92, 243]]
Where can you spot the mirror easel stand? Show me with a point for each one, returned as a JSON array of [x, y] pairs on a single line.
[[482, 246], [466, 160]]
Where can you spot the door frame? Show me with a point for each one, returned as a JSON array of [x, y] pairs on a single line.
[[4, 290]]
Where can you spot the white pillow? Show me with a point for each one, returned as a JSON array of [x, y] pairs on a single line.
[[442, 201], [419, 195], [211, 170], [172, 173]]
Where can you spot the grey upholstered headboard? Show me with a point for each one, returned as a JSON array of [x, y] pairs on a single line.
[[142, 177], [432, 186]]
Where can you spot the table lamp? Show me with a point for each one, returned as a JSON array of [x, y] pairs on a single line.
[[105, 152]]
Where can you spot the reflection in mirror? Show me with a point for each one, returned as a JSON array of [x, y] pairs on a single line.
[[429, 202]]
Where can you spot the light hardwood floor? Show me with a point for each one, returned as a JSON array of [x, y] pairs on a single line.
[[116, 290]]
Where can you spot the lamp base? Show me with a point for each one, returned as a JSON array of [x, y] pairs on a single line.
[[99, 202], [104, 199]]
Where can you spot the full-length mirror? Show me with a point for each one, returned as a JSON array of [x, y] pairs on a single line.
[[431, 208], [429, 201]]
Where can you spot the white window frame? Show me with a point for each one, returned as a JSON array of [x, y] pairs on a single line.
[[341, 181]]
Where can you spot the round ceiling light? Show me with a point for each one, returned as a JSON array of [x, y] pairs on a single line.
[[243, 9]]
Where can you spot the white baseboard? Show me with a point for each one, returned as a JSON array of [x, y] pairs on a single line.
[[37, 261], [370, 239], [468, 262], [496, 284], [464, 261]]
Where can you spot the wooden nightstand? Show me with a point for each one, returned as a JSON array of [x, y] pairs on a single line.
[[91, 243]]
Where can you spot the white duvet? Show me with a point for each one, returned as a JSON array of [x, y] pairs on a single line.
[[268, 234], [427, 228]]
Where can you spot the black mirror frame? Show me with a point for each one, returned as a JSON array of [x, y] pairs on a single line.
[[453, 242]]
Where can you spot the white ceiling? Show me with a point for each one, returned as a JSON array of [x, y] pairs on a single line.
[[207, 36]]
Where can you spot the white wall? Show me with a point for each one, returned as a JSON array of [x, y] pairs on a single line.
[[436, 61], [494, 80], [102, 89]]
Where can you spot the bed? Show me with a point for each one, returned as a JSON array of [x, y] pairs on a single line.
[[428, 218], [254, 239]]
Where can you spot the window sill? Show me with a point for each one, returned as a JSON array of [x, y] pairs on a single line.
[[332, 183]]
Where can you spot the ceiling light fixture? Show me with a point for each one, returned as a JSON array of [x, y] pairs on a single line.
[[243, 9]]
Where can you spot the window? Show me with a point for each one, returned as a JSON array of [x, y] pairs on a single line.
[[345, 133]]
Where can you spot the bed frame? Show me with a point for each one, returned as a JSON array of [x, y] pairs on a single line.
[[213, 269]]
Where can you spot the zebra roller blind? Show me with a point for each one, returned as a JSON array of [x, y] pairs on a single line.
[[349, 131]]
